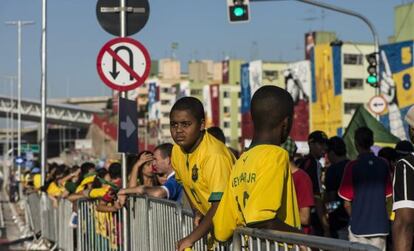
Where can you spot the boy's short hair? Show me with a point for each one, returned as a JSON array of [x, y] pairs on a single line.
[[269, 106], [115, 170], [191, 104]]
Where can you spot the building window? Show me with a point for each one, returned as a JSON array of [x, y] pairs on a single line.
[[226, 94], [196, 92], [165, 102], [165, 126], [354, 83], [226, 109], [353, 59], [271, 75], [165, 90], [226, 124], [350, 108]]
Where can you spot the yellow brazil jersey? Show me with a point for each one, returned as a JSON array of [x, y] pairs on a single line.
[[99, 192], [260, 188], [54, 189], [87, 180], [37, 181], [204, 173]]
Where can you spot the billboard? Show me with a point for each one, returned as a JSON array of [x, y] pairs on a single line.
[[211, 104], [298, 84], [326, 98], [251, 79], [396, 84], [310, 39]]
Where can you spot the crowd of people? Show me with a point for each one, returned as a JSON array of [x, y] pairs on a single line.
[[268, 186]]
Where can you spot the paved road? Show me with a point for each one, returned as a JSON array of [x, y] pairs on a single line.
[[13, 223]]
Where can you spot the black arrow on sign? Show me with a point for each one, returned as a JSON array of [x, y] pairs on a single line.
[[114, 72]]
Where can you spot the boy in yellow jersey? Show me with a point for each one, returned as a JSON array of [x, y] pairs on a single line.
[[202, 164], [261, 193]]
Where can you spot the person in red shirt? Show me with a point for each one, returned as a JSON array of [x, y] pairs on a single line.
[[303, 187]]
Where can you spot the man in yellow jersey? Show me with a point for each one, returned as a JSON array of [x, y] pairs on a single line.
[[201, 162], [261, 192]]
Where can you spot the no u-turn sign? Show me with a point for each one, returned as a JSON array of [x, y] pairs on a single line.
[[123, 64]]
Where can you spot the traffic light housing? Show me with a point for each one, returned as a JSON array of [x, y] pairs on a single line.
[[238, 10], [372, 69]]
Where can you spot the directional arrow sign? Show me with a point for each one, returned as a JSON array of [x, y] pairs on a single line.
[[127, 126], [377, 104], [123, 64]]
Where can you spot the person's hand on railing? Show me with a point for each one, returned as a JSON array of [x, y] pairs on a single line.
[[184, 244], [121, 200]]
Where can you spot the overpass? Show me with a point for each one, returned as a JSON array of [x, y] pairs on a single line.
[[61, 114]]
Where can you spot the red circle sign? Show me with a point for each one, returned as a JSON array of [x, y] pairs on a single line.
[[123, 64]]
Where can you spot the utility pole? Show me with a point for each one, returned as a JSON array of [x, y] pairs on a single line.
[[19, 24]]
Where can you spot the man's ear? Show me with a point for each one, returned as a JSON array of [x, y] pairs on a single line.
[[202, 124]]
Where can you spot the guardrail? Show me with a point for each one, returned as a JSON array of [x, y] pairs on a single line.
[[256, 239], [157, 224], [97, 230], [65, 233], [33, 200]]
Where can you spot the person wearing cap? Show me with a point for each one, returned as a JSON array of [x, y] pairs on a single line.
[[317, 142], [403, 188], [365, 185], [404, 148], [303, 187]]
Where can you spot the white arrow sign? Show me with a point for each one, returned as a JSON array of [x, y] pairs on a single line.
[[128, 126]]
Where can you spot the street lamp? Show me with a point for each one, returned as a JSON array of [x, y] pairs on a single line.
[[19, 24]]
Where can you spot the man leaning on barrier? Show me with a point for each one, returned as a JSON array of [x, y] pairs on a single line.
[[171, 189], [260, 193], [201, 162]]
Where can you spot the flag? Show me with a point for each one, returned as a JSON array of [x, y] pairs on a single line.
[[382, 136]]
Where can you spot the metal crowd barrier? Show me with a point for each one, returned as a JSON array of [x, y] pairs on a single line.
[[33, 201], [157, 224], [66, 237], [50, 228], [247, 239], [97, 230]]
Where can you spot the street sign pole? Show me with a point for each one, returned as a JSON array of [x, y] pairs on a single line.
[[124, 164], [132, 18]]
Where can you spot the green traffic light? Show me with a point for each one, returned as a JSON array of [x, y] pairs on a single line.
[[372, 79], [238, 11]]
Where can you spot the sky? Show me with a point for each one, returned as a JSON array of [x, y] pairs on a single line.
[[200, 27]]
